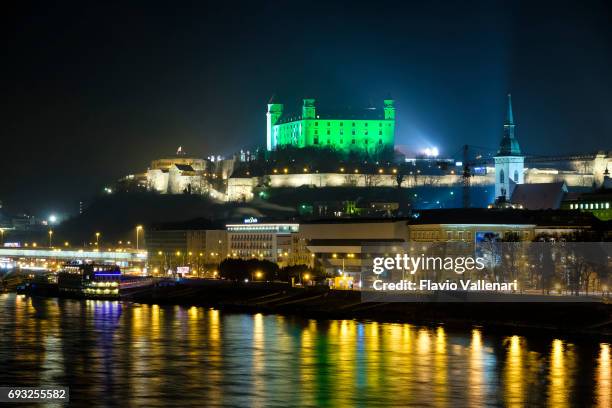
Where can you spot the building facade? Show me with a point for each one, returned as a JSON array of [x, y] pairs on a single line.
[[198, 247], [270, 241], [371, 131]]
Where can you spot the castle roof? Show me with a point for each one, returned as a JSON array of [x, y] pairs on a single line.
[[184, 167]]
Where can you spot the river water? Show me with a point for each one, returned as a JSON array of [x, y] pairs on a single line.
[[121, 354]]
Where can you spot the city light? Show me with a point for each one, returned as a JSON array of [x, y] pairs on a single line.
[[431, 152], [52, 219], [138, 229]]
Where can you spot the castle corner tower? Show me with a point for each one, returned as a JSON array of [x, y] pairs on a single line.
[[275, 111], [509, 162]]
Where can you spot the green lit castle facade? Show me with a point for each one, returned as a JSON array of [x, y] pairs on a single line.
[[370, 131]]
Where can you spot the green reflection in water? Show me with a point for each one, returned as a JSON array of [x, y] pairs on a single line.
[[143, 355]]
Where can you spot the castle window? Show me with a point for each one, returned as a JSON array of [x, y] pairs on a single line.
[[341, 141], [353, 124], [516, 175], [365, 132], [328, 141], [341, 123], [379, 124], [353, 131], [501, 176], [365, 124], [379, 141], [316, 123], [353, 141], [316, 140], [328, 123], [328, 131], [316, 132], [380, 132], [366, 141]]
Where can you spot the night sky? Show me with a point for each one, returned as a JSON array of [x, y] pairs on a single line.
[[91, 92]]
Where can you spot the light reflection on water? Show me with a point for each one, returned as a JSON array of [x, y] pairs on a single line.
[[111, 353]]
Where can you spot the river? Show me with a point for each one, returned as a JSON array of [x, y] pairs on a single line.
[[121, 354]]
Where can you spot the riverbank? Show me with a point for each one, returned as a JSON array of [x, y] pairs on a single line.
[[527, 313]]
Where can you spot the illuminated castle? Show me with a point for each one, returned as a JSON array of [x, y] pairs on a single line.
[[370, 131]]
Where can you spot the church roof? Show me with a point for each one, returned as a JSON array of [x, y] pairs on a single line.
[[539, 196], [509, 145]]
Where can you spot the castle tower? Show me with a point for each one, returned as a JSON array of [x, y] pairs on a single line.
[[509, 162], [275, 111], [309, 111], [389, 108]]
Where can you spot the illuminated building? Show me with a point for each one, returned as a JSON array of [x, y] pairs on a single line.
[[599, 203], [197, 244], [270, 241], [371, 131], [509, 162]]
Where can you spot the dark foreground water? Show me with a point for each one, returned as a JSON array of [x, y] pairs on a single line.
[[121, 354]]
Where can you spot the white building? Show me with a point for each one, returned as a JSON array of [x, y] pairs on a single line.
[[269, 241], [509, 162]]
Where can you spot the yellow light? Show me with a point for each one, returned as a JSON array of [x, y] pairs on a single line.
[[356, 170], [34, 244], [394, 171], [380, 171], [275, 171], [178, 253], [258, 274], [305, 169], [306, 276], [285, 170], [342, 169], [138, 227], [159, 253], [190, 253], [66, 243], [334, 255]]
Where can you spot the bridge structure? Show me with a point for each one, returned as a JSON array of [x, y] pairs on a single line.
[[131, 258]]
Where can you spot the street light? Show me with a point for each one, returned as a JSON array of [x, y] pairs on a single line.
[[50, 238], [138, 228], [97, 238]]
